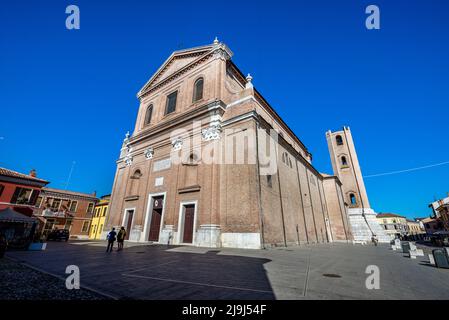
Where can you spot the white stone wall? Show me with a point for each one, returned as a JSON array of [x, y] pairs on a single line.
[[364, 227], [241, 240]]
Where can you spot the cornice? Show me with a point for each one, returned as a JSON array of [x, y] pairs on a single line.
[[182, 117]]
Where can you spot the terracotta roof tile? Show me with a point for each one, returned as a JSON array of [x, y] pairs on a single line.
[[388, 215], [68, 192], [15, 174]]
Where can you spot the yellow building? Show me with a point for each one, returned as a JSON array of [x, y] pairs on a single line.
[[99, 217], [414, 228], [393, 224]]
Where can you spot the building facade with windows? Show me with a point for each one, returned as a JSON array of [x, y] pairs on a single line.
[[20, 191], [414, 228], [440, 210], [63, 209], [99, 217], [432, 225], [210, 163], [394, 225]]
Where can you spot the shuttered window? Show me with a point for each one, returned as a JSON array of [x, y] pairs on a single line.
[[171, 102], [34, 196], [198, 90], [148, 114]]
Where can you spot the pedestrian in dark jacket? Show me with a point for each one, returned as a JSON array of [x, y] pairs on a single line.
[[121, 238], [111, 238]]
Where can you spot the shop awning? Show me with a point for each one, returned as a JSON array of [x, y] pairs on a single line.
[[9, 215]]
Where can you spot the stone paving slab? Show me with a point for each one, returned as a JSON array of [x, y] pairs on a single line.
[[185, 272]]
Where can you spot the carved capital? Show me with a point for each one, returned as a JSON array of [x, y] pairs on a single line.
[[177, 144], [222, 53], [211, 133], [149, 152], [128, 160]]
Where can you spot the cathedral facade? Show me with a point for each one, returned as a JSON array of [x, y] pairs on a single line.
[[210, 163]]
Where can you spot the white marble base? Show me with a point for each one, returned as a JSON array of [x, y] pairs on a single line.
[[104, 235], [416, 253], [135, 233], [431, 259], [167, 234], [208, 235], [241, 240], [364, 227]]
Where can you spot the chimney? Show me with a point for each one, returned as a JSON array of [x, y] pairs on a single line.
[[33, 173]]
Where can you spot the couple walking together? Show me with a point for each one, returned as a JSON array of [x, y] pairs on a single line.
[[112, 236]]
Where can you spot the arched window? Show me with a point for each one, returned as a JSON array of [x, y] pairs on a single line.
[[352, 199], [339, 140], [198, 90], [136, 175], [193, 159], [148, 114], [191, 170], [344, 162], [134, 185]]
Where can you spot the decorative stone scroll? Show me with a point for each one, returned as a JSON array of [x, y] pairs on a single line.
[[211, 133], [149, 153], [177, 144], [129, 159]]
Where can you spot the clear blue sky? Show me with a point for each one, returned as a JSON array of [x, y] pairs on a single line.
[[71, 95]]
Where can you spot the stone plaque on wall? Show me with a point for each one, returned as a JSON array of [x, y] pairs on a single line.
[[159, 181], [161, 164]]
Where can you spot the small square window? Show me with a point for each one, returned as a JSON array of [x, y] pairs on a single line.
[[73, 205], [85, 226], [90, 207]]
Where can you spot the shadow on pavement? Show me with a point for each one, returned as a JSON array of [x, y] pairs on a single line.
[[157, 271]]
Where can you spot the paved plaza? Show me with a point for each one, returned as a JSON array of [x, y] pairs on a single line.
[[325, 271]]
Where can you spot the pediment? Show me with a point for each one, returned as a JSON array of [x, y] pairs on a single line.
[[176, 64], [177, 61]]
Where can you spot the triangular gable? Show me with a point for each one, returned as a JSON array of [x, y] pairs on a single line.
[[176, 61]]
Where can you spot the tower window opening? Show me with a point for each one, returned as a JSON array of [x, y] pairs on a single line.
[[339, 140], [352, 199]]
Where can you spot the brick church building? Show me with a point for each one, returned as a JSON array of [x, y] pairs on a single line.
[[210, 163]]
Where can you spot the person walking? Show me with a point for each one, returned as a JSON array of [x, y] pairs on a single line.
[[374, 239], [121, 238], [111, 238]]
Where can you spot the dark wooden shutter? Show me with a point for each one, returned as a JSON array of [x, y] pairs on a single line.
[[15, 195], [34, 196], [171, 102]]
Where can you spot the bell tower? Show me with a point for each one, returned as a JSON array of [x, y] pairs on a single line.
[[347, 168]]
